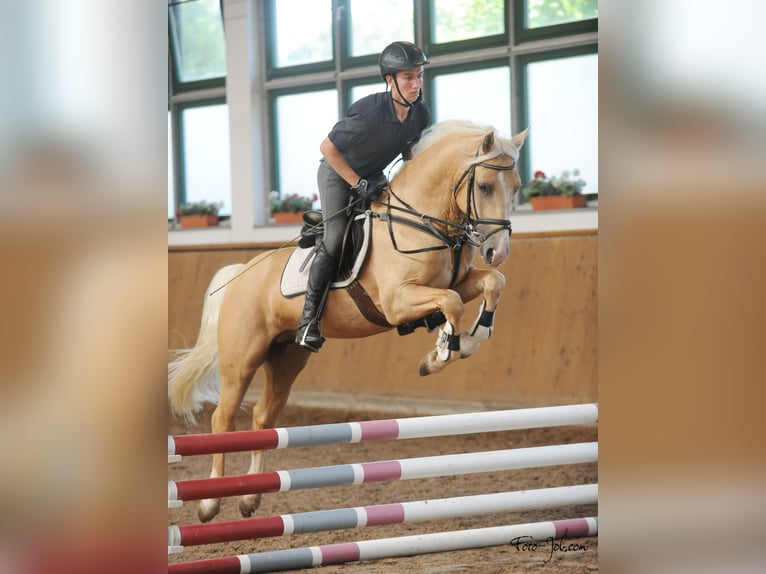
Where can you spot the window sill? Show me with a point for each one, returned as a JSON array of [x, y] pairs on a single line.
[[524, 220]]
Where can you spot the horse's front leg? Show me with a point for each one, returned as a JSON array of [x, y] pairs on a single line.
[[416, 301], [490, 283]]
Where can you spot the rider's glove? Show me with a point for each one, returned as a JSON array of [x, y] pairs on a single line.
[[370, 188]]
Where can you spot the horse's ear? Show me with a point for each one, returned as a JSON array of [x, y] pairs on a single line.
[[488, 143], [518, 139]]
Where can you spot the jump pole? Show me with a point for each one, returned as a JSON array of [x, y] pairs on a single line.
[[380, 514], [362, 473], [342, 553], [390, 429]]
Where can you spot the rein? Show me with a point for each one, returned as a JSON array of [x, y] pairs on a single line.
[[425, 223]]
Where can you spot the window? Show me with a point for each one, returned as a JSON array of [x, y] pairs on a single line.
[[206, 171], [537, 19], [367, 36], [539, 13], [562, 99], [362, 90], [300, 32], [456, 20], [198, 138], [481, 96], [197, 39], [299, 135]]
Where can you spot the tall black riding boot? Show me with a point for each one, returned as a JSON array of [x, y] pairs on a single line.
[[322, 272]]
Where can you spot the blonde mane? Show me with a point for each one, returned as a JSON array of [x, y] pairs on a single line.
[[464, 128]]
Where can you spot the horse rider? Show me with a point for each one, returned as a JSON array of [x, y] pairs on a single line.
[[375, 130]]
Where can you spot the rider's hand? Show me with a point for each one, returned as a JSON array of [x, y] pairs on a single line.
[[370, 188]]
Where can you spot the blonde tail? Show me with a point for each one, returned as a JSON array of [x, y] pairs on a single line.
[[193, 376]]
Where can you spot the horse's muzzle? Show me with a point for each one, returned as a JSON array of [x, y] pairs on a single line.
[[495, 251]]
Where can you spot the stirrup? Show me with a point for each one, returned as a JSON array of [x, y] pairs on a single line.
[[312, 342]]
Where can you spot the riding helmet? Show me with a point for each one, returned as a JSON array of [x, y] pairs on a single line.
[[399, 56]]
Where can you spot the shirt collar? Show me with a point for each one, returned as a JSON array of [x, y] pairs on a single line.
[[391, 109]]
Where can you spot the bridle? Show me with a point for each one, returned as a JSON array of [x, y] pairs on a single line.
[[467, 232], [470, 223]]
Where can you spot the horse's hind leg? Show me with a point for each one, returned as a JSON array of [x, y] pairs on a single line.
[[222, 421], [282, 365], [236, 376]]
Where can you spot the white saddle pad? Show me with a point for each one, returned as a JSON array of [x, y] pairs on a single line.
[[295, 275]]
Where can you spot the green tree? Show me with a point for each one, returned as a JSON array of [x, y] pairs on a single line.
[[550, 12], [464, 19], [200, 49]]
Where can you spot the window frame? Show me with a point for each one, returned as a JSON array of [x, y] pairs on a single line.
[[176, 157]]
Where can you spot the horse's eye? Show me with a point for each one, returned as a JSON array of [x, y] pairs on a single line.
[[485, 188]]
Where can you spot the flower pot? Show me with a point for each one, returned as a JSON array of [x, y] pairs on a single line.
[[288, 217], [542, 202], [199, 220]]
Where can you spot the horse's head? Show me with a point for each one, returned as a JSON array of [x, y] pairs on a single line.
[[480, 169], [486, 189]]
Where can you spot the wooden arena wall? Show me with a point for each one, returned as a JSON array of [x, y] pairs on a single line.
[[543, 350]]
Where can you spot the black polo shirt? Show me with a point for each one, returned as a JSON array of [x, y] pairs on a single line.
[[371, 136]]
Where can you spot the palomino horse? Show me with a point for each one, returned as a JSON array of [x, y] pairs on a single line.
[[450, 199]]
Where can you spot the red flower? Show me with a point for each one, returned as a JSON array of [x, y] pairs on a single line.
[[539, 175]]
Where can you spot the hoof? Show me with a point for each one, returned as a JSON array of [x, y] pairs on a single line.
[[208, 509], [248, 505], [431, 363], [427, 365]]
